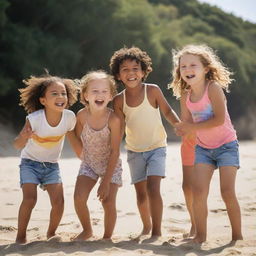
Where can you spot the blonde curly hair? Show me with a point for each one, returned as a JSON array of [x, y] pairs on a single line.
[[217, 71], [95, 75], [36, 88]]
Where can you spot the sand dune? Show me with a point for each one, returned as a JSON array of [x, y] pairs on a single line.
[[175, 218]]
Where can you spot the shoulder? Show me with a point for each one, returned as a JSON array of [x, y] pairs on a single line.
[[214, 89], [114, 119], [69, 113], [118, 99], [153, 89], [183, 96], [35, 115], [81, 113]]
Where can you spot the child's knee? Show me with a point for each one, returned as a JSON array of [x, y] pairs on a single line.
[[29, 202]]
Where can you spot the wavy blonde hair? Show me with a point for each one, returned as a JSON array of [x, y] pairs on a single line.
[[96, 75], [36, 88], [217, 71]]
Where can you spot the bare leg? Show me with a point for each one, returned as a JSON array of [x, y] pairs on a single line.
[[156, 203], [83, 188], [29, 200], [143, 206], [227, 184], [55, 192], [188, 174], [109, 205], [202, 178]]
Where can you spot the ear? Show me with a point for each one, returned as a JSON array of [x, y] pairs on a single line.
[[206, 70], [42, 100]]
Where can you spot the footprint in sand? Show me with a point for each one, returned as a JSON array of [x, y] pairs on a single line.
[[7, 228], [218, 210], [179, 207]]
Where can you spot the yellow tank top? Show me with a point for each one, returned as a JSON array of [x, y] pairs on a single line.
[[144, 128]]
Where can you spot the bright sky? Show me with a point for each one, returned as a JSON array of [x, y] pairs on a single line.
[[245, 9]]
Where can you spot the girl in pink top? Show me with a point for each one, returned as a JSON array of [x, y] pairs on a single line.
[[199, 80]]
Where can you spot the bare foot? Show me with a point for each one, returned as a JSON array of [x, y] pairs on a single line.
[[198, 240], [54, 238], [21, 240], [82, 236], [235, 238], [50, 235], [191, 234]]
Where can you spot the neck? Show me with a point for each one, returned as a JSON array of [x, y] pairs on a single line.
[[97, 112], [134, 90], [53, 117]]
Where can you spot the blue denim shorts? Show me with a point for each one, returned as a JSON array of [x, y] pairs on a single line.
[[144, 164], [42, 173], [225, 155]]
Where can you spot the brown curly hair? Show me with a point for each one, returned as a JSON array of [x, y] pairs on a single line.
[[94, 75], [133, 53], [217, 71], [36, 88]]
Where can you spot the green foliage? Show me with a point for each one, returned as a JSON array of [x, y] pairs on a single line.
[[70, 38]]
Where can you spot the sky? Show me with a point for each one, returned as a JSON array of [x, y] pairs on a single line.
[[245, 9]]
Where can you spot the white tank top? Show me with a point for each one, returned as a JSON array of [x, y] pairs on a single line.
[[144, 128]]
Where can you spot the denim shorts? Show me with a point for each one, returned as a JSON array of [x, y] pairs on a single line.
[[225, 155], [42, 173], [144, 164]]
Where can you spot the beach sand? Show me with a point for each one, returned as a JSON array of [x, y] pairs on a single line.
[[175, 217]]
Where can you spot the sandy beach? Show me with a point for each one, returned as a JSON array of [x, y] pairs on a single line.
[[175, 218]]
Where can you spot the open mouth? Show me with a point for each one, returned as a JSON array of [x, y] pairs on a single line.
[[190, 76], [99, 102], [132, 79], [59, 104]]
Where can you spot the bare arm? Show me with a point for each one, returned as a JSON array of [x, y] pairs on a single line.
[[74, 137], [21, 140], [118, 109], [217, 98], [115, 141], [164, 106]]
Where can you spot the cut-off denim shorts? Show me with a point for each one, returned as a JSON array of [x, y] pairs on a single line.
[[144, 164], [42, 173], [225, 155]]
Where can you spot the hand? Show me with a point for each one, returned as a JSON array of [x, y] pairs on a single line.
[[26, 132], [184, 128], [103, 190], [178, 132]]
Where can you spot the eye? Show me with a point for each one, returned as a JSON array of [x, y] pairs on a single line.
[[54, 93], [64, 94]]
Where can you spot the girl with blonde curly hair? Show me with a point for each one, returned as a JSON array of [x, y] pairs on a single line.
[[199, 78]]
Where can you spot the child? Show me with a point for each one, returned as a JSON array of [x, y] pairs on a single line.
[[41, 141], [138, 107], [99, 129], [199, 79]]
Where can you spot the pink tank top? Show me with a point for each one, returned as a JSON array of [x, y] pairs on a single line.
[[211, 137]]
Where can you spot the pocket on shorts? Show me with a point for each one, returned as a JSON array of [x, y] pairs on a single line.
[[233, 145]]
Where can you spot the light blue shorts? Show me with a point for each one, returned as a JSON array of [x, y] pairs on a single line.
[[42, 173], [225, 155], [144, 164]]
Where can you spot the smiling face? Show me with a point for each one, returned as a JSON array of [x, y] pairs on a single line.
[[55, 97], [98, 93], [192, 70], [131, 73]]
